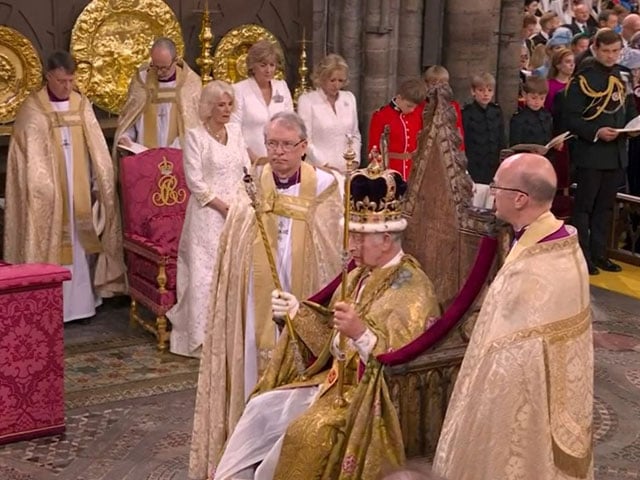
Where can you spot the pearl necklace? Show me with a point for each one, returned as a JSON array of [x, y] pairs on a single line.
[[219, 135]]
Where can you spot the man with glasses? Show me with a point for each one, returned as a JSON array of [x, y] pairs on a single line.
[[162, 102], [301, 208], [522, 405]]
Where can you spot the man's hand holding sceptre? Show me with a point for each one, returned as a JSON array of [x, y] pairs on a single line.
[[283, 310]]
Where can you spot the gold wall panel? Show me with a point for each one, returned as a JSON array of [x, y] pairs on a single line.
[[20, 71], [230, 57], [111, 39]]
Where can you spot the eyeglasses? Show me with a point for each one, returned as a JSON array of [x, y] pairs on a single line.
[[163, 68], [286, 146], [493, 187]]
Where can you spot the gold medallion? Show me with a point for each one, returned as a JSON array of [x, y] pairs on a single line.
[[20, 71], [111, 39], [230, 57]]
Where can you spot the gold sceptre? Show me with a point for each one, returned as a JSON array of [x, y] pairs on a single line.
[[349, 156], [384, 146], [303, 71], [204, 61], [251, 189]]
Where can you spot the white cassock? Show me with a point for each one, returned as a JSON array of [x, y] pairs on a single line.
[[252, 113], [79, 299], [283, 265], [136, 131], [327, 129]]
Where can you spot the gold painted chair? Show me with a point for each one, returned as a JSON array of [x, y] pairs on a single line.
[[154, 200]]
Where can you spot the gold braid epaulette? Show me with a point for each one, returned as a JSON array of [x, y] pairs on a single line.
[[600, 99]]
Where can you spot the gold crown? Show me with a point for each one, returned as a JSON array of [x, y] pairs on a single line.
[[376, 199], [165, 167]]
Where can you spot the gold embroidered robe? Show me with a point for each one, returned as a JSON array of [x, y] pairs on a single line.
[[317, 238], [522, 404], [143, 94], [35, 227], [357, 440]]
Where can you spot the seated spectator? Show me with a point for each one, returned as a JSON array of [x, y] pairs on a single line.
[[560, 39], [582, 21], [533, 123], [483, 129], [529, 25], [580, 43], [548, 23], [608, 19]]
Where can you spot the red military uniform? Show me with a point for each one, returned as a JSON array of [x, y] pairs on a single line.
[[403, 134]]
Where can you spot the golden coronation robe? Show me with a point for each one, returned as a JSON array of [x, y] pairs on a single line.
[[146, 98], [36, 213], [328, 441], [522, 404], [241, 295]]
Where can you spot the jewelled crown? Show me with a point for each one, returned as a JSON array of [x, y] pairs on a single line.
[[377, 195]]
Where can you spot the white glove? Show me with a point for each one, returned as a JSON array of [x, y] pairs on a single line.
[[283, 303]]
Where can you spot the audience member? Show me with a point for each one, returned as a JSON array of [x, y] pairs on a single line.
[[582, 21], [548, 23], [483, 129]]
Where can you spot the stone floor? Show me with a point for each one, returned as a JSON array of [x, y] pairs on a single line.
[[138, 426]]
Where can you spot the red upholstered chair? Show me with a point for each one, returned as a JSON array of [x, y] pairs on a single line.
[[31, 351], [154, 198]]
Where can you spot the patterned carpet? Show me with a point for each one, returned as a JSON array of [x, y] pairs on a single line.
[[129, 408]]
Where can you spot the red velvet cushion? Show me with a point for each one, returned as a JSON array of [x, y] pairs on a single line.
[[164, 229]]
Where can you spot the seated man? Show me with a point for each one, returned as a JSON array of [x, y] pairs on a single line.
[[162, 102], [337, 418]]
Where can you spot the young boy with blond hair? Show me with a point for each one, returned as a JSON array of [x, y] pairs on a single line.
[[484, 129], [437, 75]]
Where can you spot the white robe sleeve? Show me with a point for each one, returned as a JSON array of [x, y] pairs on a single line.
[[192, 159]]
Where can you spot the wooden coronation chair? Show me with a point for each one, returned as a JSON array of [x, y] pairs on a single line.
[[154, 200]]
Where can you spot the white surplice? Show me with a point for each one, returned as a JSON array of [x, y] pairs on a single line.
[[252, 113], [211, 170], [283, 266], [327, 130], [79, 298], [136, 131]]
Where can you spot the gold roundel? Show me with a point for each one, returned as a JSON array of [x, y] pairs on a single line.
[[230, 57], [20, 71], [111, 39]]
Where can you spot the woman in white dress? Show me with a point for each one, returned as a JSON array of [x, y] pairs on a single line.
[[214, 156], [330, 114], [260, 96]]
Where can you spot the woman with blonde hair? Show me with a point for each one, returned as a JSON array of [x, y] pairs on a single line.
[[260, 96], [214, 156], [330, 114]]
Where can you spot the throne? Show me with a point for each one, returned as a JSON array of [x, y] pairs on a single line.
[[154, 199], [460, 248]]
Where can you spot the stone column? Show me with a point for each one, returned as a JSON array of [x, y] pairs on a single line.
[[410, 39], [470, 41], [509, 45]]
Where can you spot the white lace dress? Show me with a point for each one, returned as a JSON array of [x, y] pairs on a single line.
[[211, 170]]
